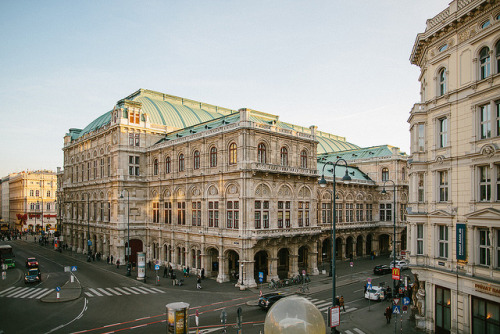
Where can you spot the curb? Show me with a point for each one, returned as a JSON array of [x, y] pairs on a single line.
[[74, 292]]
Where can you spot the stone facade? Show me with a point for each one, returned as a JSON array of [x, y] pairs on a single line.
[[236, 195], [454, 224]]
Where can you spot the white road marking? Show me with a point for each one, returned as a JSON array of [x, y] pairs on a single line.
[[7, 290], [44, 294], [359, 331], [95, 292], [130, 290], [43, 290], [104, 291], [122, 291], [115, 292], [89, 294]]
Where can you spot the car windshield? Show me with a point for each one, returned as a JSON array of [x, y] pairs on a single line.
[[372, 291], [8, 261], [33, 272]]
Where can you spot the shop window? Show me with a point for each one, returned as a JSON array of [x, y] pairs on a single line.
[[443, 310], [485, 316]]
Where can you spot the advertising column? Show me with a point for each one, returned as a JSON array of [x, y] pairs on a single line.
[[177, 318], [141, 266]]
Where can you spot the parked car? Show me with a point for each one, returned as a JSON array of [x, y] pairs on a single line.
[[10, 263], [267, 300], [401, 264], [381, 269], [31, 262], [33, 276], [375, 293]]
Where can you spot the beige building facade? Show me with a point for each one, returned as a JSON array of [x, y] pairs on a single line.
[[233, 192], [454, 219]]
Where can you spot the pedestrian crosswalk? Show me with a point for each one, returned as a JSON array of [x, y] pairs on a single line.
[[323, 305], [121, 291], [25, 292]]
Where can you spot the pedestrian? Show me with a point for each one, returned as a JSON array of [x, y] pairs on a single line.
[[149, 264], [174, 278], [388, 314], [107, 260], [366, 287], [184, 271], [187, 271], [111, 259], [341, 302], [198, 283], [118, 264], [165, 271], [202, 273]]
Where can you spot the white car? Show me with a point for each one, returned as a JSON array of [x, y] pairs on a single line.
[[375, 293], [400, 264]]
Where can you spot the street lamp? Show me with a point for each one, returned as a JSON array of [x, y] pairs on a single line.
[[127, 249], [88, 227], [322, 183], [394, 225]]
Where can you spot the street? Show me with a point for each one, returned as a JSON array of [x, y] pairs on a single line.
[[102, 299]]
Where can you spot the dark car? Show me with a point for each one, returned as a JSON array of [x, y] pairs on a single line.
[[33, 276], [266, 301], [382, 270], [31, 262]]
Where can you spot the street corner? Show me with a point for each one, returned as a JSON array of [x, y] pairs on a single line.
[[10, 277], [68, 292]]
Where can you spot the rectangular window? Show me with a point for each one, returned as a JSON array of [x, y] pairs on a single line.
[[326, 213], [167, 210], [108, 216], [498, 248], [443, 241], [258, 215], [421, 137], [232, 214], [284, 214], [443, 186], [32, 193], [137, 140], [443, 310], [421, 188], [497, 120], [369, 212], [485, 121], [497, 167], [131, 139], [94, 216], [349, 212], [156, 212], [181, 213], [133, 165], [88, 170], [485, 316], [339, 209], [303, 214], [101, 212], [386, 212], [443, 132], [109, 167], [261, 214], [196, 214], [102, 168], [484, 183], [484, 247], [213, 214], [48, 193], [95, 169], [420, 239], [359, 212]]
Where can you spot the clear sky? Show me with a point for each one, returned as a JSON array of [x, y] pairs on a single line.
[[341, 65]]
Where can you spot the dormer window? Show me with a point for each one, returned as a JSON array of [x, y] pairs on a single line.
[[134, 117]]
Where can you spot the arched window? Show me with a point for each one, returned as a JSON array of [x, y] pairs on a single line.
[[385, 174], [155, 167], [403, 173], [167, 165], [213, 157], [303, 159], [284, 156], [484, 62], [181, 162], [233, 156], [196, 160], [498, 56], [261, 156], [442, 82]]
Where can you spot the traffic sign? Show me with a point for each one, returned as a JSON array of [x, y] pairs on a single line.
[[58, 288], [396, 301], [73, 268], [396, 274], [396, 309], [368, 285], [261, 276], [406, 301], [369, 280], [405, 308], [303, 272], [351, 264], [89, 242], [157, 267], [334, 313]]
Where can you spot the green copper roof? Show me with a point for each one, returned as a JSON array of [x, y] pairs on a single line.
[[362, 153], [354, 172], [94, 125]]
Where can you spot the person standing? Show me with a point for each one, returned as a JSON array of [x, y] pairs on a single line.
[[198, 283], [111, 259], [165, 271], [202, 273], [341, 302], [388, 314]]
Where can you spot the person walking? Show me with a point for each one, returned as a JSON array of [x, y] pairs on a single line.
[[341, 302], [165, 271], [388, 314], [118, 264], [198, 283], [202, 273], [111, 259]]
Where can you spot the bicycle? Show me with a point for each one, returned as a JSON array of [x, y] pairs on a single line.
[[304, 288]]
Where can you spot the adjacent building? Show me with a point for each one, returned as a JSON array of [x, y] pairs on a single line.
[[233, 192], [454, 204]]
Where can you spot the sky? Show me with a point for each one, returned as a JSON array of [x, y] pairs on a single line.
[[340, 65]]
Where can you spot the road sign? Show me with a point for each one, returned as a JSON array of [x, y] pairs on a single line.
[[351, 264], [396, 301], [58, 288], [396, 274], [303, 272], [197, 318], [157, 267], [396, 309], [405, 308], [73, 268], [261, 276], [334, 313], [368, 285], [369, 280], [406, 301], [89, 242]]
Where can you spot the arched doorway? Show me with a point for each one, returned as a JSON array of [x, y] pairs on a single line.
[[303, 258], [233, 263], [135, 247], [369, 244], [349, 247], [213, 261], [326, 254], [283, 263], [383, 242], [338, 248], [359, 246], [261, 260]]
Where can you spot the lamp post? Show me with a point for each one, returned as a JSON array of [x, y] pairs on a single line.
[[127, 249], [394, 226], [88, 227], [322, 183]]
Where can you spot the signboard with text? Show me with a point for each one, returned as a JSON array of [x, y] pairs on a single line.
[[461, 240], [334, 313], [396, 274]]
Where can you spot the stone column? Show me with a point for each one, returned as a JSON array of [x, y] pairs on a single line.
[[272, 269], [312, 262], [223, 269]]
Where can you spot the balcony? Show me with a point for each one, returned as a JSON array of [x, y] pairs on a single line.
[[269, 168], [418, 108]]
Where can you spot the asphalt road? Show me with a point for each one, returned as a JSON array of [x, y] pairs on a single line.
[[111, 302]]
